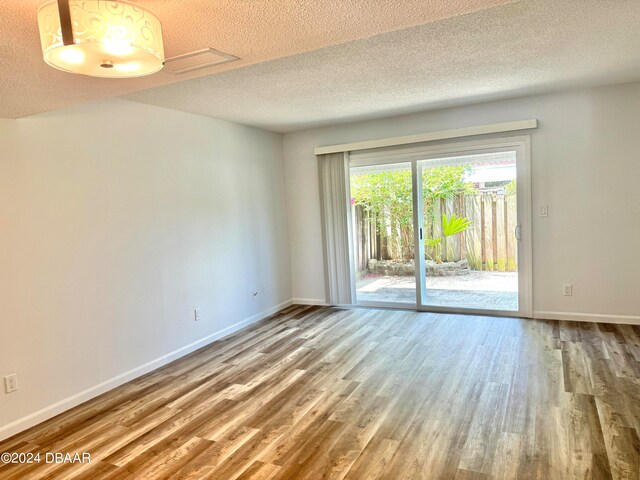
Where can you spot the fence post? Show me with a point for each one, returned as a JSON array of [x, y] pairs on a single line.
[[512, 247], [487, 233], [462, 212], [474, 234], [499, 234]]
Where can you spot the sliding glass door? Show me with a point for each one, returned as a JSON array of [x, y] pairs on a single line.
[[441, 228], [383, 233], [469, 224]]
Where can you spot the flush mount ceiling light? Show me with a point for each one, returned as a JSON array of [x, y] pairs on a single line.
[[100, 38]]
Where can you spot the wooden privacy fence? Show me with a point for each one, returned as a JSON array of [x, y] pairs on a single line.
[[488, 244]]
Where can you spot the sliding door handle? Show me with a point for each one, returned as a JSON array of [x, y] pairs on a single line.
[[420, 233], [518, 232]]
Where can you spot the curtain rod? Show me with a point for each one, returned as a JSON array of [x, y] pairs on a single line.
[[430, 137]]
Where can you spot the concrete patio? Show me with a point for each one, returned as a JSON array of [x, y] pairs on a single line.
[[478, 290]]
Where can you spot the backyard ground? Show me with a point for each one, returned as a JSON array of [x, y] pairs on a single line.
[[479, 290]]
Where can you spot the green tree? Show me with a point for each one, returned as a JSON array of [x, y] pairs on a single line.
[[388, 198]]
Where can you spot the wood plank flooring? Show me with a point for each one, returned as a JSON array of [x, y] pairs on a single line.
[[314, 393]]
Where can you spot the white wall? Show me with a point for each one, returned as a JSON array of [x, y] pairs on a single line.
[[586, 168], [117, 219]]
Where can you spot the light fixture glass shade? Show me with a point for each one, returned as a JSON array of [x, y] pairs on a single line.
[[112, 39]]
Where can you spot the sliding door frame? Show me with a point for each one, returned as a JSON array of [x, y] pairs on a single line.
[[377, 304], [522, 146]]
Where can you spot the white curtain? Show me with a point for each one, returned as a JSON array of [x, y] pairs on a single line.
[[335, 202]]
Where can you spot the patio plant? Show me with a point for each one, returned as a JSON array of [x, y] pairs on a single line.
[[434, 245], [454, 224], [450, 226]]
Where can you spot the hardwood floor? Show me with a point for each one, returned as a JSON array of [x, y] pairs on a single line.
[[316, 393]]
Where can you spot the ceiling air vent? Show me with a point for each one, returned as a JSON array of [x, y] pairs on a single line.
[[196, 60]]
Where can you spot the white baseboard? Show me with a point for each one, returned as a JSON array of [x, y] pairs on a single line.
[[46, 413], [588, 317], [310, 301]]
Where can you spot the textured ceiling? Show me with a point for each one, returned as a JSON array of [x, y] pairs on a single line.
[[254, 30], [517, 49]]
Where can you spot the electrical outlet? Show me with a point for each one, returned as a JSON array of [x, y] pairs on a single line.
[[197, 314], [11, 383], [568, 290], [544, 211]]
